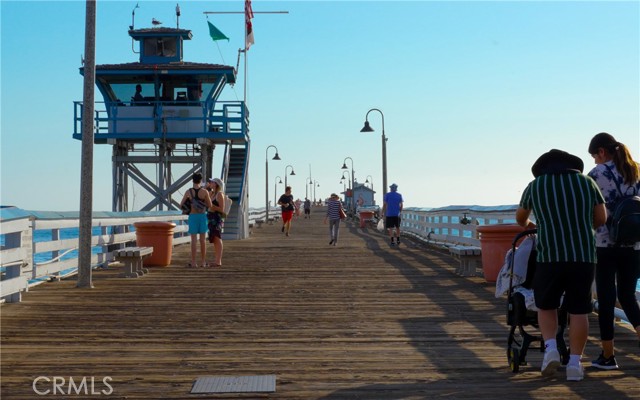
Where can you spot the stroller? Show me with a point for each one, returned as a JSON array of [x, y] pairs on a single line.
[[520, 271]]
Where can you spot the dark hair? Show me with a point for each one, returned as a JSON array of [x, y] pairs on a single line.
[[620, 155], [287, 188], [197, 177]]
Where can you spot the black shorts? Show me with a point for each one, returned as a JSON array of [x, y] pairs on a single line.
[[307, 211], [573, 279], [393, 222]]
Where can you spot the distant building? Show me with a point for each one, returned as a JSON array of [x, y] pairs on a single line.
[[362, 195]]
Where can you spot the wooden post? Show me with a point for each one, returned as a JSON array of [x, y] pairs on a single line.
[[86, 166]]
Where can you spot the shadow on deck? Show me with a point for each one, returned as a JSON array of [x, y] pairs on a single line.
[[359, 320]]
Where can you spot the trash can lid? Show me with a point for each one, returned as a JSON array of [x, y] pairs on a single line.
[[154, 224]]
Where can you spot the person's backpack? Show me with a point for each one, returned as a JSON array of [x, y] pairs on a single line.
[[195, 202], [624, 223], [186, 207]]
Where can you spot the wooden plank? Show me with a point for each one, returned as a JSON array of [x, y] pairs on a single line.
[[359, 320]]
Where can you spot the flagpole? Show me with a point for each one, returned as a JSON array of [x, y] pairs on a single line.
[[245, 59], [245, 37]]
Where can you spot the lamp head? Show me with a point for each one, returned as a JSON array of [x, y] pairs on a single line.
[[344, 166], [292, 172], [367, 127], [276, 157]]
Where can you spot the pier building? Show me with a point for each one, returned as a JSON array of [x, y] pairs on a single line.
[[166, 112]]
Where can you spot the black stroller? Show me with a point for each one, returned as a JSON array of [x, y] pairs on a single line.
[[518, 316]]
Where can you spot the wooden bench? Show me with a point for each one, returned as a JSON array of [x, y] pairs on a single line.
[[468, 257], [132, 258]]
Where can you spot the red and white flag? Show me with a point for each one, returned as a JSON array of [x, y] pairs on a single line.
[[248, 15]]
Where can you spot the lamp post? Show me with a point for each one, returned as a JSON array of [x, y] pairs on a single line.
[[266, 180], [344, 166], [371, 182], [285, 174], [315, 184], [275, 190], [344, 184], [368, 128], [307, 183]]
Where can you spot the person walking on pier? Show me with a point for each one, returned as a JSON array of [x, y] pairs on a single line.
[[618, 266], [561, 197], [334, 206], [216, 218], [288, 207], [200, 202], [391, 209], [307, 208]]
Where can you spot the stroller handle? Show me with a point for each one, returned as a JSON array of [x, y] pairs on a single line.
[[522, 234]]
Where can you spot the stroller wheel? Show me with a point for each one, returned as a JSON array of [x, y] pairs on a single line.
[[513, 355]]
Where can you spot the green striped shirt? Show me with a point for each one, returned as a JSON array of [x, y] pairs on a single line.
[[563, 206]]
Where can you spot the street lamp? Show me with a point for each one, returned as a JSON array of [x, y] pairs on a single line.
[[344, 184], [285, 174], [344, 166], [367, 181], [307, 182], [275, 190], [266, 180], [368, 128], [316, 184]]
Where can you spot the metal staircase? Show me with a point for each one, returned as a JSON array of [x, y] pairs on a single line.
[[237, 180]]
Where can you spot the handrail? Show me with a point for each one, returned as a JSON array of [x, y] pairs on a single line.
[[169, 120]]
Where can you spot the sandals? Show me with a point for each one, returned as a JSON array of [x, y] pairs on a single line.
[[190, 265]]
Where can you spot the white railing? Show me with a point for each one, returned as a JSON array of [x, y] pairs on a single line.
[[23, 250], [453, 224], [27, 259]]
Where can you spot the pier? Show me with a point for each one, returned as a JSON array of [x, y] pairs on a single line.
[[359, 320]]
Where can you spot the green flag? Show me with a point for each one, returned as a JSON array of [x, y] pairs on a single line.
[[215, 33]]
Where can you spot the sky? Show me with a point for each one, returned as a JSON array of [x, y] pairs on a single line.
[[472, 92]]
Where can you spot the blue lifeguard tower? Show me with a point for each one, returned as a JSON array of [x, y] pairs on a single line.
[[175, 119]]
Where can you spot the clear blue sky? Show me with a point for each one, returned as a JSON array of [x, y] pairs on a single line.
[[472, 92]]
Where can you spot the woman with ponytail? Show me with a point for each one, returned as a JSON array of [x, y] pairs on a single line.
[[617, 175]]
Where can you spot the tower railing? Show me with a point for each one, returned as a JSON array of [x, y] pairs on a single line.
[[176, 121]]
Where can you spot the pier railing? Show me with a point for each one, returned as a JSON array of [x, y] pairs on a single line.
[[42, 246], [453, 224]]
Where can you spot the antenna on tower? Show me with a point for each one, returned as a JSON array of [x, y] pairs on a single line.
[[177, 16], [133, 16]]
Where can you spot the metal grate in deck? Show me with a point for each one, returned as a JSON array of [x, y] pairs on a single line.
[[235, 384]]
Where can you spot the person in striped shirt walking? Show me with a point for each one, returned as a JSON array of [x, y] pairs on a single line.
[[334, 206], [568, 207]]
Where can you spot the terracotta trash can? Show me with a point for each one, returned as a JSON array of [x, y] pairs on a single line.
[[495, 242], [159, 235], [364, 216]]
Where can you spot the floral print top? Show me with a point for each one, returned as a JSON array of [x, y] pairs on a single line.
[[606, 181]]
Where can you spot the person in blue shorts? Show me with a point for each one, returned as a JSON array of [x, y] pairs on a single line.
[[198, 224], [391, 209]]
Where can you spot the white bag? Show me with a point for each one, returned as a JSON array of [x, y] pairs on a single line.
[[380, 225], [227, 204]]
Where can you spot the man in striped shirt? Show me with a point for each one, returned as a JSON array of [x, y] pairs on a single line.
[[568, 206]]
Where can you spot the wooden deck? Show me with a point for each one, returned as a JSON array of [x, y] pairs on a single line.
[[357, 321]]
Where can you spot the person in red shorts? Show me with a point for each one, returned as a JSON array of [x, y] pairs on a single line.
[[288, 207]]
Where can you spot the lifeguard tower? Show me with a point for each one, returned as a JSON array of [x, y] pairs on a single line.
[[167, 131]]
